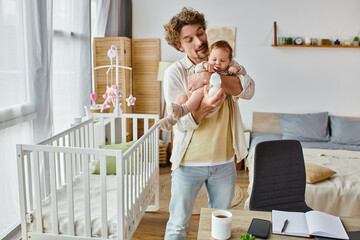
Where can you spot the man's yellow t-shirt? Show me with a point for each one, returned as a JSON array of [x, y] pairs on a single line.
[[212, 140]]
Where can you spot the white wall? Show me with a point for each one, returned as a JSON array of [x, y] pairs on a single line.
[[295, 80]]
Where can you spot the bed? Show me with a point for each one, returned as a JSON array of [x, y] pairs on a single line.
[[338, 195], [71, 202]]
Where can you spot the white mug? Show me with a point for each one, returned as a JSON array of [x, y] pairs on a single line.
[[221, 224]]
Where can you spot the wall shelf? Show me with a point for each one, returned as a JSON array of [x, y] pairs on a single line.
[[314, 46], [309, 46]]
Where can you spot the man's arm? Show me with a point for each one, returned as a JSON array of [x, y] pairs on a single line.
[[231, 85]]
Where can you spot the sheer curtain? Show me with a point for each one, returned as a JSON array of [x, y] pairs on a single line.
[[25, 112], [45, 78], [72, 61], [113, 18]]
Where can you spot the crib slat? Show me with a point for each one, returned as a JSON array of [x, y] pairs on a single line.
[[91, 135], [126, 187], [138, 172], [77, 156], [104, 231], [112, 130], [86, 136], [102, 132], [58, 165], [53, 194], [120, 195], [64, 161], [87, 195], [45, 179], [73, 156], [70, 196], [147, 158], [22, 190], [123, 129], [131, 187], [156, 168], [142, 166], [146, 124], [39, 226], [29, 181], [82, 145], [135, 129]]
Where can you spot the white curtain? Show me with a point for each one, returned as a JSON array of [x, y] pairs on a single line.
[[101, 17], [38, 54], [18, 123], [113, 18], [72, 61]]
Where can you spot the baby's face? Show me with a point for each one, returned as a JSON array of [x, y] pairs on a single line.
[[220, 59]]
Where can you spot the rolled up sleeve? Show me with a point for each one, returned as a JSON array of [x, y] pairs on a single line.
[[174, 86], [248, 86]]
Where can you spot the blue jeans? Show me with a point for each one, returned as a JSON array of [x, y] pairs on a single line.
[[186, 183]]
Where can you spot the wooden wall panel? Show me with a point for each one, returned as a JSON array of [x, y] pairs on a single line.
[[145, 62]]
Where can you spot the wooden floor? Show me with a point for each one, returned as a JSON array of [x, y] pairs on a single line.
[[152, 225]]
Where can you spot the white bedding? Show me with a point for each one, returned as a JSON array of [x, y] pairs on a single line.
[[340, 194], [79, 212]]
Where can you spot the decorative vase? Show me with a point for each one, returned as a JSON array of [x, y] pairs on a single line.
[[356, 43], [337, 42]]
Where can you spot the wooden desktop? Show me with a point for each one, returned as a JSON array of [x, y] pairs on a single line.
[[242, 219]]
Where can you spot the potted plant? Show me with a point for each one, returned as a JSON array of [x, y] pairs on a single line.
[[246, 236], [289, 41], [356, 41]]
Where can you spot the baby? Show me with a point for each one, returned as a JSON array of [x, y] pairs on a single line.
[[220, 62]]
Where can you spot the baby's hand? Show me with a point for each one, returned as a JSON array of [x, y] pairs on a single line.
[[209, 67], [234, 69]]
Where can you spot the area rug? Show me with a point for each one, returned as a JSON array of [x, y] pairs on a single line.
[[201, 200]]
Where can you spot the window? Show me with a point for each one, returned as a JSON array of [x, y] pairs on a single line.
[[13, 97], [12, 71]]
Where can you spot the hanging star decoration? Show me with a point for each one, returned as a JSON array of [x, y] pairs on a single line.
[[131, 100]]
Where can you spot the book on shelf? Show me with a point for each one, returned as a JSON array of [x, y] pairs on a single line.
[[311, 223]]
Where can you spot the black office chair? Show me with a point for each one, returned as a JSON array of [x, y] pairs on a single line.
[[279, 177]]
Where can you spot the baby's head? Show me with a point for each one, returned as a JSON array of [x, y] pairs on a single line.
[[220, 55]]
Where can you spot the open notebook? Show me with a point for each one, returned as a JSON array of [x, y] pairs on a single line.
[[312, 223]]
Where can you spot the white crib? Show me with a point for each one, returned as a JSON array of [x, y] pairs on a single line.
[[62, 203]]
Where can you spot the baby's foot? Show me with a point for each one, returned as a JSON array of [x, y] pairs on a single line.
[[166, 124], [177, 111]]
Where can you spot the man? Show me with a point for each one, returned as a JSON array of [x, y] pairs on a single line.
[[204, 148]]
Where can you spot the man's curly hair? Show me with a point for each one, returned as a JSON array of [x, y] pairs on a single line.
[[185, 17]]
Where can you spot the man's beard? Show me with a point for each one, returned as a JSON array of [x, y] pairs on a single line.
[[203, 54]]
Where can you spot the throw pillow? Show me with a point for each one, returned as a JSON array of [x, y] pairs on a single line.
[[345, 131], [310, 127], [316, 173], [110, 160]]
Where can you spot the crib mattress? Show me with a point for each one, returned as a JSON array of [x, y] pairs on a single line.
[[79, 209]]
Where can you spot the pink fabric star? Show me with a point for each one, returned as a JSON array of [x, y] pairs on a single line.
[[131, 100]]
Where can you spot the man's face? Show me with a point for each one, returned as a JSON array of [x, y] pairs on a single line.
[[193, 41]]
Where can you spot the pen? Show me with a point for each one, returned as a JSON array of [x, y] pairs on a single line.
[[284, 226]]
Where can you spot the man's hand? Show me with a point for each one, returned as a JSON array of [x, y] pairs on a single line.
[[198, 80], [208, 103], [215, 101]]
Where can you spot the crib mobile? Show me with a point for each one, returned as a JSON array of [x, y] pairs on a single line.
[[112, 93]]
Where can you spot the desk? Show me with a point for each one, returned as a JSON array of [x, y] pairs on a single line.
[[242, 219]]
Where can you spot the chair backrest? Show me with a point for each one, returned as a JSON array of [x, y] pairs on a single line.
[[279, 177]]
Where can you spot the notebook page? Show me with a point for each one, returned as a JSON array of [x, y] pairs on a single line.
[[323, 224], [297, 225]]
